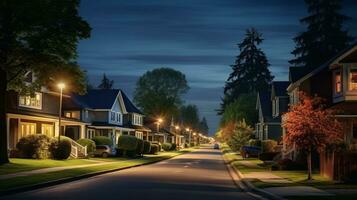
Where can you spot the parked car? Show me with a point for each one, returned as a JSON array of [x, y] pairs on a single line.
[[250, 151], [103, 151], [216, 146]]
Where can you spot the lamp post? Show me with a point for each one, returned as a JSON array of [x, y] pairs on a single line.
[[61, 86], [189, 135], [177, 128]]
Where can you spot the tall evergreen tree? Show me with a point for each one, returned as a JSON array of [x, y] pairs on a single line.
[[106, 83], [324, 36], [203, 126], [190, 116], [250, 71]]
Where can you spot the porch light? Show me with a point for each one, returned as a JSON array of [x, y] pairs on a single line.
[[177, 127]]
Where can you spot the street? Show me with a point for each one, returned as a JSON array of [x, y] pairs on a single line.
[[197, 175]]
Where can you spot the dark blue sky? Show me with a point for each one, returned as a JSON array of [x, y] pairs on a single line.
[[196, 37]]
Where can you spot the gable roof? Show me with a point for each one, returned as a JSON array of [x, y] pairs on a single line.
[[279, 88], [337, 58], [295, 73], [97, 98], [129, 106], [264, 101]]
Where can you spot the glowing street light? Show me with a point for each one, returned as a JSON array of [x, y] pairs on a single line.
[[61, 86], [159, 121]]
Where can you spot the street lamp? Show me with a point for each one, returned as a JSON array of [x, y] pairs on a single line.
[[61, 86], [189, 135], [159, 121]]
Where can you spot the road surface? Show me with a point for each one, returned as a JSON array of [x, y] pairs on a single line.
[[193, 176]]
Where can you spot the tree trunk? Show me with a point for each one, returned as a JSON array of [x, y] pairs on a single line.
[[3, 130], [309, 167]]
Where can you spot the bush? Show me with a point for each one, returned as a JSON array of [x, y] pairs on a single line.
[[140, 147], [127, 142], [267, 156], [34, 146], [173, 147], [288, 164], [102, 140], [186, 145], [147, 147], [166, 146], [255, 142], [154, 148], [90, 144], [268, 145], [61, 150]]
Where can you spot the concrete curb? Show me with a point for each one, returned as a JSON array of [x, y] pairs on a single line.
[[247, 186], [71, 179]]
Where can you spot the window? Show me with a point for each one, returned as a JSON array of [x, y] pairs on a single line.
[[68, 114], [47, 129], [353, 79], [338, 82], [86, 114], [31, 101], [28, 77], [112, 116], [27, 129]]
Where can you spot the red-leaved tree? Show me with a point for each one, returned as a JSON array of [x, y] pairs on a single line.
[[309, 125]]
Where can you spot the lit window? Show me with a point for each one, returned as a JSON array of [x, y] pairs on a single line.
[[47, 129], [31, 101], [68, 114], [353, 79], [338, 82]]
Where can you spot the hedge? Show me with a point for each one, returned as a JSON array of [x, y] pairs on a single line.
[[147, 147], [267, 156], [154, 149], [166, 146], [140, 147], [102, 140], [127, 142], [90, 144], [268, 145], [61, 150], [35, 146], [173, 147]]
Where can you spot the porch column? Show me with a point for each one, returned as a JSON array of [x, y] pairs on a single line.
[[114, 136], [8, 131], [83, 131], [56, 129]]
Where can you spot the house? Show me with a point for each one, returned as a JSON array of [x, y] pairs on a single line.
[[39, 114], [336, 82], [270, 106], [107, 113]]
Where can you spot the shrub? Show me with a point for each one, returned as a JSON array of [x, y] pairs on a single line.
[[186, 145], [173, 147], [90, 144], [267, 156], [154, 149], [34, 146], [127, 142], [102, 140], [119, 152], [140, 147], [255, 142], [268, 145], [147, 147], [61, 150], [288, 164], [166, 146]]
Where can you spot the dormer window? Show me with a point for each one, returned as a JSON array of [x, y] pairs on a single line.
[[29, 77], [353, 79], [31, 101], [338, 82]]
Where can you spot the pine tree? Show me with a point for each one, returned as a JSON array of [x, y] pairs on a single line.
[[324, 36], [250, 71], [203, 126], [106, 83]]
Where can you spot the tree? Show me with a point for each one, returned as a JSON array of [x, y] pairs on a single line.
[[242, 108], [250, 71], [39, 37], [203, 127], [190, 117], [324, 36], [106, 84], [242, 133], [311, 127], [158, 92]]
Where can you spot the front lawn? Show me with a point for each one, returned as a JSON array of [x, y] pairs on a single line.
[[20, 165], [112, 164]]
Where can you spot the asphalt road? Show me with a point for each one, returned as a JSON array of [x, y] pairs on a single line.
[[193, 176]]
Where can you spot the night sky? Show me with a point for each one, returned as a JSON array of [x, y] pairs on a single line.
[[196, 37]]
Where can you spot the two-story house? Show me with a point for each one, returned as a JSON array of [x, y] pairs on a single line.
[[336, 82], [270, 106], [38, 113]]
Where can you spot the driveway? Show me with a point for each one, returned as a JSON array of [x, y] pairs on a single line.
[[193, 176]]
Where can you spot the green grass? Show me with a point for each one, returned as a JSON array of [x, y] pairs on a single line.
[[114, 163], [20, 165]]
